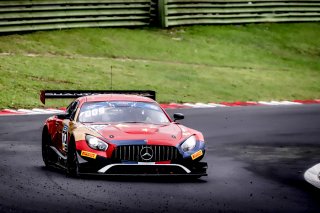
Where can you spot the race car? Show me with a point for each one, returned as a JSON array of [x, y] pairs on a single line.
[[120, 133]]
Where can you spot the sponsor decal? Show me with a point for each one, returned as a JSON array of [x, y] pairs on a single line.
[[88, 154], [196, 154], [65, 138]]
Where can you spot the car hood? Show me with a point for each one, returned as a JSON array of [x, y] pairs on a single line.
[[169, 134]]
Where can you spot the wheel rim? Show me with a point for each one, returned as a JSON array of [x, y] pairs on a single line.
[[72, 162]]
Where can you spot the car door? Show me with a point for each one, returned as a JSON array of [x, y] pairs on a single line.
[[61, 135]]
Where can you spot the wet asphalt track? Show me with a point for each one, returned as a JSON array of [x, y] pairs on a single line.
[[256, 155]]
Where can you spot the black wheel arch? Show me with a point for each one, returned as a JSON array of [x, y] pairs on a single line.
[[45, 131], [72, 142]]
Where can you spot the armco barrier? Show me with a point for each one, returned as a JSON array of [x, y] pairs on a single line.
[[26, 15], [30, 15], [187, 12]]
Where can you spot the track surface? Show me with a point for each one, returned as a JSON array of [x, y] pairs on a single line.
[[256, 156]]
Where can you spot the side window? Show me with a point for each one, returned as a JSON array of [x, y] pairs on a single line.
[[72, 108]]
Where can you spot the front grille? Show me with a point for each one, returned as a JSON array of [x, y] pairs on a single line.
[[155, 153]]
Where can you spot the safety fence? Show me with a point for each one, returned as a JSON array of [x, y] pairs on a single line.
[[26, 15], [186, 12], [30, 15]]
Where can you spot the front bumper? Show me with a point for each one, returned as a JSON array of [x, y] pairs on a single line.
[[104, 166], [126, 161], [155, 169]]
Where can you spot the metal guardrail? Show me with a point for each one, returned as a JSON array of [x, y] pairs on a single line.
[[189, 12], [31, 15]]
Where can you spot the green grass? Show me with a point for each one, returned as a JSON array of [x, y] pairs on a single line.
[[185, 64]]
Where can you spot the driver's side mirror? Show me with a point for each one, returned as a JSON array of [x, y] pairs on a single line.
[[63, 116], [178, 116]]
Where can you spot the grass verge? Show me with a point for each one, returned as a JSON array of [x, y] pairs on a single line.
[[185, 64]]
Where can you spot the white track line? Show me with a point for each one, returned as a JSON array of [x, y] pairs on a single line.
[[276, 103], [28, 111], [191, 105], [44, 111], [49, 110], [312, 175], [290, 103], [271, 103], [55, 110]]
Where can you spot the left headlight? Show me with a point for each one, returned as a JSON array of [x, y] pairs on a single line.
[[189, 144], [96, 143]]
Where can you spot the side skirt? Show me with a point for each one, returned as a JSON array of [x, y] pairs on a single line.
[[61, 161]]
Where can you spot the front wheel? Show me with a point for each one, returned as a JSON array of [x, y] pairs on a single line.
[[72, 161], [45, 148]]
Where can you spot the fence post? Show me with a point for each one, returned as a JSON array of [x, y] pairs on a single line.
[[163, 12]]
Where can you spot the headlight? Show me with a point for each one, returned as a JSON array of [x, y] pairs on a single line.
[[96, 143], [189, 144]]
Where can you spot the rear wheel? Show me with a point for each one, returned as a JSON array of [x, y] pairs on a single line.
[[46, 142], [72, 160]]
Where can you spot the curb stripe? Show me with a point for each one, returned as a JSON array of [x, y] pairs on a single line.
[[10, 112], [172, 106], [28, 111], [204, 105], [217, 105], [45, 111], [317, 101]]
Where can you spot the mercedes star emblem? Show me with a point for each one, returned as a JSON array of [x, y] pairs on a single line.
[[146, 153]]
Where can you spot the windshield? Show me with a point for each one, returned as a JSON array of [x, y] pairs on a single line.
[[122, 112]]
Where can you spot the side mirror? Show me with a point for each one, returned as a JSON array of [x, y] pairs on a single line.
[[178, 116], [63, 116]]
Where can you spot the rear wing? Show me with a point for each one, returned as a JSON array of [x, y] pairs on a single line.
[[55, 94]]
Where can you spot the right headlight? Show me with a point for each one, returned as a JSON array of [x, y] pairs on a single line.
[[96, 143], [189, 144]]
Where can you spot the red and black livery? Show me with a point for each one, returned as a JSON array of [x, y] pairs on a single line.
[[120, 133]]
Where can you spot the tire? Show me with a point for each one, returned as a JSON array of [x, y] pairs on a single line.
[[45, 148], [72, 161]]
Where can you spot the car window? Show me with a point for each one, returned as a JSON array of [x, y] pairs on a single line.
[[122, 111]]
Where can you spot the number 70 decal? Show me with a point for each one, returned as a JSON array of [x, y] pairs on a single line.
[[65, 138]]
